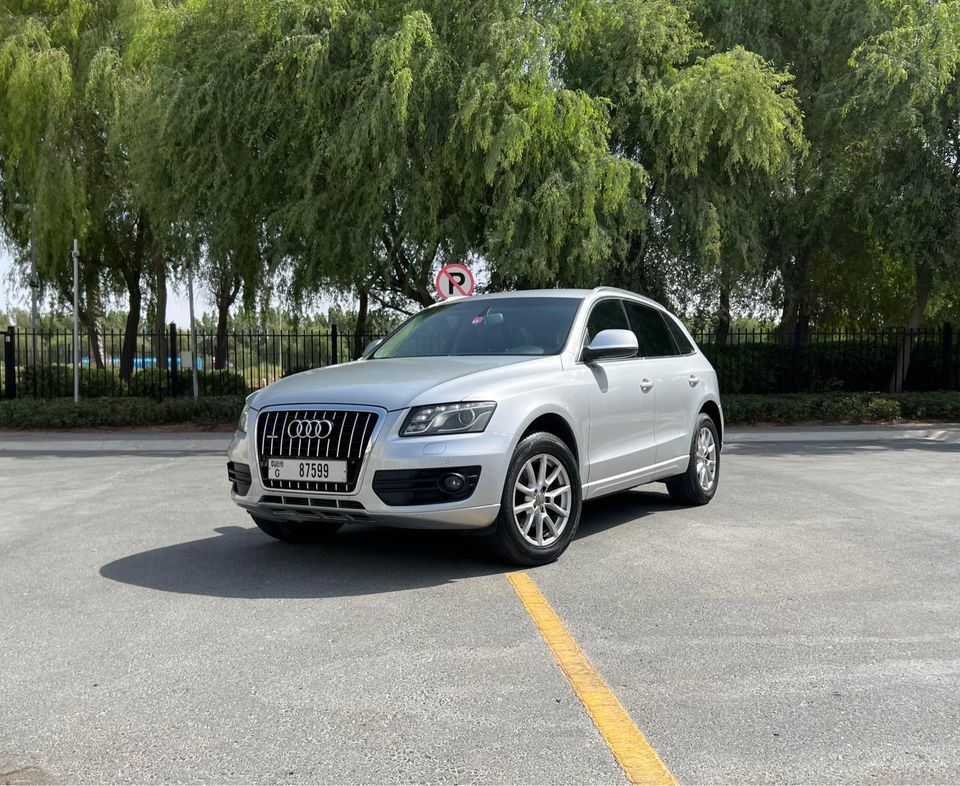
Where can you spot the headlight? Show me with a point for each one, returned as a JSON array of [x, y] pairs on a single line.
[[463, 418], [245, 414]]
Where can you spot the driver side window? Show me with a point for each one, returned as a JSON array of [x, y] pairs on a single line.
[[606, 315]]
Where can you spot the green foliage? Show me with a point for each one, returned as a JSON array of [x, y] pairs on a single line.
[[215, 412], [155, 383], [365, 142], [56, 381], [717, 132], [68, 94], [833, 408]]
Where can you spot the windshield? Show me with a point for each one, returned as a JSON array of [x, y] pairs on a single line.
[[488, 326]]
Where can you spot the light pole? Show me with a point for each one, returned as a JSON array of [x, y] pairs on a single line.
[[76, 325], [193, 331]]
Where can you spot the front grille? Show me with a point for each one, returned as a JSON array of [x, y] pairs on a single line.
[[296, 508], [347, 441]]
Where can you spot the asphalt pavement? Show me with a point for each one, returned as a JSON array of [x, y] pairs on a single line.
[[802, 628]]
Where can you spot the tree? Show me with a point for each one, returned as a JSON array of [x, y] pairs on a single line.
[[67, 72], [814, 240], [717, 133], [905, 110], [361, 143]]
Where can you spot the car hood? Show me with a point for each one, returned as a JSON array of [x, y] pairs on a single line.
[[392, 383]]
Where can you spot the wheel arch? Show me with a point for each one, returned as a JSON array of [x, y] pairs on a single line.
[[712, 409], [553, 423]]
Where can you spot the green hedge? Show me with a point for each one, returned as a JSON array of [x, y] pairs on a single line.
[[219, 411], [155, 383], [56, 381], [841, 408], [223, 411]]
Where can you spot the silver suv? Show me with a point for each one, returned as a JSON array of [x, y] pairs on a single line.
[[497, 412]]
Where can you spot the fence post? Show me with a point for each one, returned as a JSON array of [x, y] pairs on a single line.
[[334, 345], [173, 359], [946, 357], [10, 361], [796, 368]]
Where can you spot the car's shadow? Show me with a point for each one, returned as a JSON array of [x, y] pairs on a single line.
[[242, 562]]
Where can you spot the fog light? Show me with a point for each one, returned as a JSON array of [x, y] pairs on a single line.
[[453, 483]]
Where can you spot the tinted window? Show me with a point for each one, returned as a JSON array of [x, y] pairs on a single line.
[[485, 326], [606, 315], [650, 330], [679, 337]]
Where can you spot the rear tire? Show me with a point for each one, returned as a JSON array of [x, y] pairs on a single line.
[[699, 483], [295, 531], [540, 506]]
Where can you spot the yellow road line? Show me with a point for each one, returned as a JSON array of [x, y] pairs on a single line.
[[636, 756]]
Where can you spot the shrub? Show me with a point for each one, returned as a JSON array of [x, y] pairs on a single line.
[[56, 381], [841, 408], [220, 411]]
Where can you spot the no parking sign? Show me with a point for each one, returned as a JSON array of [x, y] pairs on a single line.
[[455, 280]]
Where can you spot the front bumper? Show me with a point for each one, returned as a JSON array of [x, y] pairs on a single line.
[[388, 451]]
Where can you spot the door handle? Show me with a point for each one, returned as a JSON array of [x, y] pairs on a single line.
[[646, 385], [694, 380]]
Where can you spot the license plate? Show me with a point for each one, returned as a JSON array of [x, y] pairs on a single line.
[[304, 469]]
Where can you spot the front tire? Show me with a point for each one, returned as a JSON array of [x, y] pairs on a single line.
[[295, 531], [540, 506], [699, 483]]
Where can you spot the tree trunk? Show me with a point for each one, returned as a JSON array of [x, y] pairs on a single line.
[[924, 285], [795, 311], [160, 311], [724, 317], [95, 339], [361, 327], [128, 352], [131, 277], [226, 296], [93, 320]]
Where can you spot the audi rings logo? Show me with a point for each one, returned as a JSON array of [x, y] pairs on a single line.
[[309, 429]]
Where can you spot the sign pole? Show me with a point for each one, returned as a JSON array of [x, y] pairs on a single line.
[[193, 332], [76, 322]]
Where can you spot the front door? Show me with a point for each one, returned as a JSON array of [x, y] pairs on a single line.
[[622, 440]]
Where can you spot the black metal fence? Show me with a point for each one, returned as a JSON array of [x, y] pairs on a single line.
[[766, 361], [40, 364], [749, 361]]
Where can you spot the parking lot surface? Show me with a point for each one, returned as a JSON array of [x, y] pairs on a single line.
[[804, 627]]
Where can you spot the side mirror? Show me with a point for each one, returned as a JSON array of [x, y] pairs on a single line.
[[609, 344], [371, 346]]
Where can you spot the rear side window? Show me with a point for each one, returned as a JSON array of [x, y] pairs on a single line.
[[606, 315], [683, 343], [651, 330]]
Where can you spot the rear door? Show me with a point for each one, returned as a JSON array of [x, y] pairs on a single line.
[[622, 441], [671, 374]]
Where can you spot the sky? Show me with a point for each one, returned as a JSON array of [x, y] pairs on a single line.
[[12, 295]]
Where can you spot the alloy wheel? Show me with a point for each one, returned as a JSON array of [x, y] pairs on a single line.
[[541, 500], [706, 459]]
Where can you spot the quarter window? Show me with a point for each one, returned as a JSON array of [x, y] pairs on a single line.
[[679, 337], [651, 330]]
